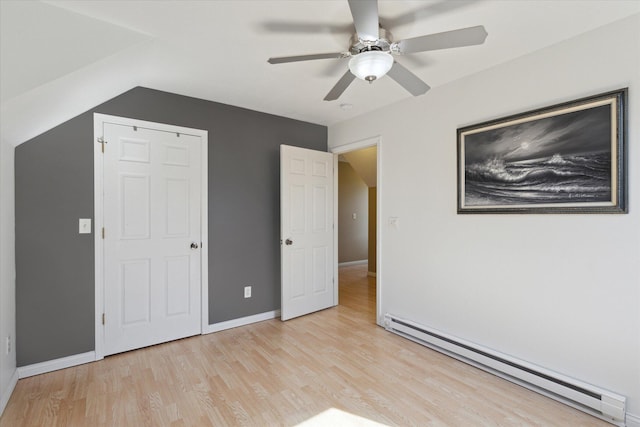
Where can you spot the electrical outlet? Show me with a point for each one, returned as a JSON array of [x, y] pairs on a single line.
[[84, 225], [247, 291], [9, 344]]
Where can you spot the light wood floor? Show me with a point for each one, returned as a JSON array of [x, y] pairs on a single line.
[[275, 373]]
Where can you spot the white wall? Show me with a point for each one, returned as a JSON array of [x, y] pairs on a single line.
[[8, 373], [353, 199], [561, 291]]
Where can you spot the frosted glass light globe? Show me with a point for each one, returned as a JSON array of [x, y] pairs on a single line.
[[370, 65]]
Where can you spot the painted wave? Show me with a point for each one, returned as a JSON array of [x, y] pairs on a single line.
[[556, 179]]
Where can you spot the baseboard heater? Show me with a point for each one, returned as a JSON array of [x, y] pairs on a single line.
[[585, 397]]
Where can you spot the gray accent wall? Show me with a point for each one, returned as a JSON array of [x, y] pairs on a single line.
[[54, 187]]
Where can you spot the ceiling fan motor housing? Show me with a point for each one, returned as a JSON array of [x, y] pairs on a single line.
[[383, 43]]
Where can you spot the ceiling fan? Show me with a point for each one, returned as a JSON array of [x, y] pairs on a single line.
[[371, 49]]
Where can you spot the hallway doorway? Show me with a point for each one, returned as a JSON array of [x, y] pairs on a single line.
[[359, 285]]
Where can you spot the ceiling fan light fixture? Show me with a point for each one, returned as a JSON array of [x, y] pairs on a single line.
[[370, 65]]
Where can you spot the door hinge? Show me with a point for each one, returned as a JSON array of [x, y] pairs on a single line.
[[103, 318], [103, 232], [101, 141]]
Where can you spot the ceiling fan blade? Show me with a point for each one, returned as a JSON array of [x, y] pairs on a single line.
[[340, 87], [284, 59], [408, 80], [365, 18], [448, 39], [306, 27]]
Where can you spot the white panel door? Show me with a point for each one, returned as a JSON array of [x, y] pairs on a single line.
[[307, 247], [151, 218]]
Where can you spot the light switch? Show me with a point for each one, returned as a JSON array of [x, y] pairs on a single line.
[[84, 225]]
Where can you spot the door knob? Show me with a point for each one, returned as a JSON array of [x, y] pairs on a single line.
[[194, 245], [288, 242]]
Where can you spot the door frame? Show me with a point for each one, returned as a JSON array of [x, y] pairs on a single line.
[[98, 220], [345, 148]]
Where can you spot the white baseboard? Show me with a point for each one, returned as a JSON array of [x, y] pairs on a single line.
[[632, 420], [221, 326], [6, 394], [54, 365], [371, 273], [344, 264]]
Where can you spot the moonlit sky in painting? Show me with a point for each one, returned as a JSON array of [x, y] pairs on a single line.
[[585, 131]]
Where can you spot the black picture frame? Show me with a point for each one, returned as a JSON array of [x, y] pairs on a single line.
[[566, 158]]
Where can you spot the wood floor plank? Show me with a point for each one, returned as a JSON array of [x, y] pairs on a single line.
[[334, 367]]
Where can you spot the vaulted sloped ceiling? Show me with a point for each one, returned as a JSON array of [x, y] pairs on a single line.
[[41, 43], [60, 58], [364, 162]]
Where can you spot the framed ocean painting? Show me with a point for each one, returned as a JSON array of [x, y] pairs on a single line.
[[568, 158]]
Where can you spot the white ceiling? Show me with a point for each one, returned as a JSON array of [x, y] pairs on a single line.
[[61, 58]]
